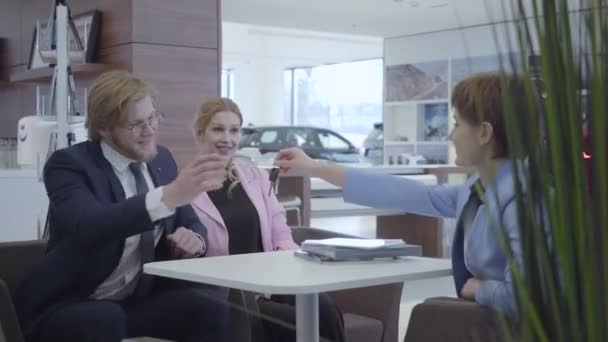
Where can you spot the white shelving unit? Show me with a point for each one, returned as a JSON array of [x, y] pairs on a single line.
[[407, 120], [408, 104]]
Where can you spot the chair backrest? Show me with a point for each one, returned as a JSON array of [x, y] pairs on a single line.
[[378, 302], [452, 319]]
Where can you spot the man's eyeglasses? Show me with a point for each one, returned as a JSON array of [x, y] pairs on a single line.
[[152, 121]]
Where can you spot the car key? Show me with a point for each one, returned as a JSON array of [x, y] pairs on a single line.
[[274, 179]]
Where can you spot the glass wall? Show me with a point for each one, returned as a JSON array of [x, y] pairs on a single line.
[[345, 97]]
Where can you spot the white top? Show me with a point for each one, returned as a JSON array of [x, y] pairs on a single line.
[[121, 282], [284, 273]]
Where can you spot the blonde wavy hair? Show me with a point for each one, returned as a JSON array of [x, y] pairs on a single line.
[[109, 98], [202, 119]]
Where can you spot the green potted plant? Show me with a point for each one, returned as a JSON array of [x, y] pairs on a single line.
[[560, 129]]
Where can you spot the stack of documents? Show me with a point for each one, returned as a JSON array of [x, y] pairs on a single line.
[[341, 249]]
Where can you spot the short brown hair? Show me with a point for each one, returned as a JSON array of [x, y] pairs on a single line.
[[480, 98], [211, 107], [111, 94]]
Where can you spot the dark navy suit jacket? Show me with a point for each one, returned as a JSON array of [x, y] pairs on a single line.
[[89, 222]]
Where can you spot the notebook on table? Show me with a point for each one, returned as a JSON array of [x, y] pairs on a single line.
[[342, 249]]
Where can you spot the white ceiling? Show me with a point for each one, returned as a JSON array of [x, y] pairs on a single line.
[[380, 18]]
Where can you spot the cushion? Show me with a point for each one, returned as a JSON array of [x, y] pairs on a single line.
[[362, 329]]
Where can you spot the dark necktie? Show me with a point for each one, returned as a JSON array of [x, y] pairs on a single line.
[[146, 242], [459, 269]]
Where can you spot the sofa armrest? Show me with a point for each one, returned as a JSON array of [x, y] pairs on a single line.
[[451, 319], [9, 325]]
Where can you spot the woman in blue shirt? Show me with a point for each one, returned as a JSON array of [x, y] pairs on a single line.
[[480, 267]]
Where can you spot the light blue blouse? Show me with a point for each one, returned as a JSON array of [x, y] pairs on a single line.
[[484, 256]]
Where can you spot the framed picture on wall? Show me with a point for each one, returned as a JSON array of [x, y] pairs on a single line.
[[433, 121], [86, 24], [418, 81]]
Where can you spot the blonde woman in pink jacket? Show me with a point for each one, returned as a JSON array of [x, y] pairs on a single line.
[[244, 216]]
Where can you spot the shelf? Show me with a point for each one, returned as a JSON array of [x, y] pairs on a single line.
[[46, 74], [399, 143], [414, 102], [432, 142], [408, 143]]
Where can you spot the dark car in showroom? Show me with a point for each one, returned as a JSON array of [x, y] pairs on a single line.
[[318, 143]]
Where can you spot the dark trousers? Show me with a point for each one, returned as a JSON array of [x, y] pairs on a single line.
[[282, 307], [182, 315]]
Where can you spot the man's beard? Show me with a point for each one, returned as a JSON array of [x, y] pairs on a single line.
[[132, 152]]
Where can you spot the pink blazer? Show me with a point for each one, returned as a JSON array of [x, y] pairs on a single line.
[[276, 234]]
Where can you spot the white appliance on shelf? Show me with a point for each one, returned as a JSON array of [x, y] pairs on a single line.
[[37, 138]]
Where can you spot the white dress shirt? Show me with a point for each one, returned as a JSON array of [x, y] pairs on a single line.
[[123, 280]]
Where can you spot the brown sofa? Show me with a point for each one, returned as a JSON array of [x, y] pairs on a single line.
[[17, 260]]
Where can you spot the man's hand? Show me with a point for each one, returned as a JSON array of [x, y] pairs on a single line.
[[185, 243], [206, 173], [470, 288]]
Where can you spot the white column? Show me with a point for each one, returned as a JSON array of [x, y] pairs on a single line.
[[61, 90]]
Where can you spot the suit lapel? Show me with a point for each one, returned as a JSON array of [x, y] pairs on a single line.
[[106, 167], [155, 173], [204, 203]]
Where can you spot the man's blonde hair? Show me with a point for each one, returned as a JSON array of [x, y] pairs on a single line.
[[110, 96]]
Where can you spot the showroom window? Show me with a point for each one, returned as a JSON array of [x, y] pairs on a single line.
[[344, 97]]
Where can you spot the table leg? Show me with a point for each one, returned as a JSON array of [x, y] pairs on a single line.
[[307, 317]]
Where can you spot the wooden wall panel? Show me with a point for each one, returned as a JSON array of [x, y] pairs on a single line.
[[120, 56], [10, 26], [184, 78], [10, 105], [191, 23]]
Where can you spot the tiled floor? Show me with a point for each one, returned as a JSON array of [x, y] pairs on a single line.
[[414, 292]]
